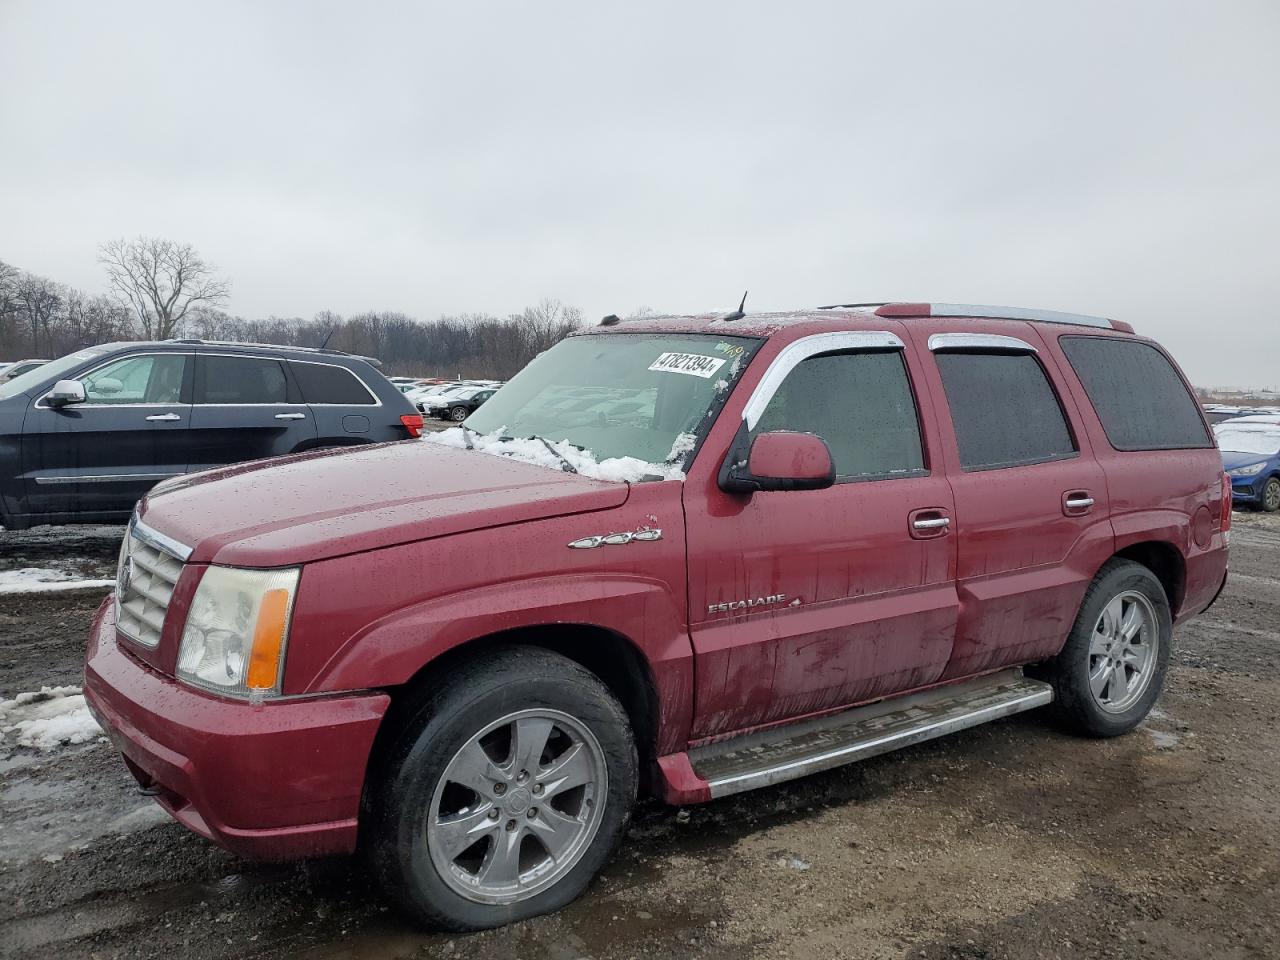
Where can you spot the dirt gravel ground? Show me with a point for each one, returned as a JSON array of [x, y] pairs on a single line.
[[1008, 841]]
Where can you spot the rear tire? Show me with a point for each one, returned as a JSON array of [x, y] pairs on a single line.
[[488, 754], [1112, 667], [1270, 500], [458, 414]]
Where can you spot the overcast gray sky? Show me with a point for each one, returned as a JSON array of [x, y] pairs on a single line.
[[1110, 157]]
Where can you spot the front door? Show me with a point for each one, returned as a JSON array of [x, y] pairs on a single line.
[[802, 601], [101, 456], [246, 408]]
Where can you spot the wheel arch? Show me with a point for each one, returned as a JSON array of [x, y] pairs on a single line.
[[610, 656], [1168, 564]]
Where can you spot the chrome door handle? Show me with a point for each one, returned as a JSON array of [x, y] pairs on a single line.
[[163, 417], [291, 416], [932, 524], [1079, 503]]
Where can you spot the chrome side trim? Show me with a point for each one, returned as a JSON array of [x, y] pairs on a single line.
[[804, 348], [1016, 313], [148, 535], [979, 341], [104, 478]]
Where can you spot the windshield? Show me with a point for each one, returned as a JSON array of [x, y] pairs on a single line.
[[620, 395], [46, 372], [1262, 439]]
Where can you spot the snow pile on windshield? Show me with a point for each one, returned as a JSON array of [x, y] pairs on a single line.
[[46, 720], [39, 579], [584, 462]]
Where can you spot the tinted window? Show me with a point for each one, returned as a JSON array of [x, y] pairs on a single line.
[[861, 404], [325, 383], [1004, 410], [1140, 399], [156, 378], [243, 380]]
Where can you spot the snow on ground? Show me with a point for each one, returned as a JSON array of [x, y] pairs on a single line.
[[584, 462], [40, 579], [51, 718]]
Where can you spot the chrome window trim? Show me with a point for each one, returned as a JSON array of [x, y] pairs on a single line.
[[104, 477], [39, 405], [377, 401], [149, 535], [285, 403], [800, 350], [979, 341]]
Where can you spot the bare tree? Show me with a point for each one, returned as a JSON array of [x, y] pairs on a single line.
[[160, 281], [38, 300]]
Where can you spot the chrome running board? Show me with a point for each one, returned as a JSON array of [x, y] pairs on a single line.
[[796, 750]]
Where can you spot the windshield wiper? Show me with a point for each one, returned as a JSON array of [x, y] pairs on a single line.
[[565, 465]]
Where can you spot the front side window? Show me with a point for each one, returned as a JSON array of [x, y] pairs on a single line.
[[861, 404], [243, 380], [1139, 397], [1004, 410], [327, 383], [155, 378], [647, 396]]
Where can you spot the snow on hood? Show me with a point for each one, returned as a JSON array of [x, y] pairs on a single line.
[[584, 462]]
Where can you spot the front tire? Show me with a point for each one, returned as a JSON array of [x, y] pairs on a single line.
[[1270, 500], [505, 793], [1112, 667]]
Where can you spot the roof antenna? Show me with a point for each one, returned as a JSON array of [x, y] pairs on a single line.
[[739, 313], [328, 336]]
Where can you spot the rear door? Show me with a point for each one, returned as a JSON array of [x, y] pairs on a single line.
[[245, 408], [103, 455], [1031, 502], [802, 601]]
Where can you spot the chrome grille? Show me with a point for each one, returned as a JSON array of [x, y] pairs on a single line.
[[150, 565]]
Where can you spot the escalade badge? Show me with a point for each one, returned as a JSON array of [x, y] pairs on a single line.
[[772, 600]]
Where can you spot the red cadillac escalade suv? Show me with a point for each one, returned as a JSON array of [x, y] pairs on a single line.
[[686, 556]]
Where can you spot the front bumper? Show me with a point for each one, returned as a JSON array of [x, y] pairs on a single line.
[[279, 780], [1246, 490]]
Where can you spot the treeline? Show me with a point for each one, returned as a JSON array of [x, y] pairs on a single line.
[[42, 318]]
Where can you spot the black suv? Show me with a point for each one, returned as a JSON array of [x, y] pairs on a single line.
[[84, 437]]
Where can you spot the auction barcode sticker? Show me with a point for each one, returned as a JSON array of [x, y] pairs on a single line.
[[693, 364]]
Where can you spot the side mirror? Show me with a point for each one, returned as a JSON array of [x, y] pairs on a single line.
[[65, 392], [782, 461]]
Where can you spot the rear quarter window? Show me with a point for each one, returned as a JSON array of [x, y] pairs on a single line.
[[326, 383], [1138, 395]]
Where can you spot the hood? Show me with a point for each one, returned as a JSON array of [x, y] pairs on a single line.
[[311, 506], [1234, 458]]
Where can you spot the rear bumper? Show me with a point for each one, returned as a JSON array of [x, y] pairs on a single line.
[[277, 781]]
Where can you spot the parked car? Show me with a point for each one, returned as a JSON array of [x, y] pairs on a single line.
[[457, 405], [834, 533], [420, 393], [18, 368], [1251, 455], [84, 437]]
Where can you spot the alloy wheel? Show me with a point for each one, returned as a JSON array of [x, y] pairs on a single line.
[[517, 806], [1122, 651]]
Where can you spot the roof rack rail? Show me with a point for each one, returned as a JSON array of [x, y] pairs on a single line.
[[372, 361], [986, 312]]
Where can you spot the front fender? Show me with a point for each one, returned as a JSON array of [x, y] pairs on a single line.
[[391, 650]]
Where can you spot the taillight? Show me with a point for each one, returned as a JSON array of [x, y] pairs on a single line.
[[1226, 503], [413, 423]]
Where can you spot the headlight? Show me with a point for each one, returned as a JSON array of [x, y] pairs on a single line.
[[234, 639], [1250, 471]]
